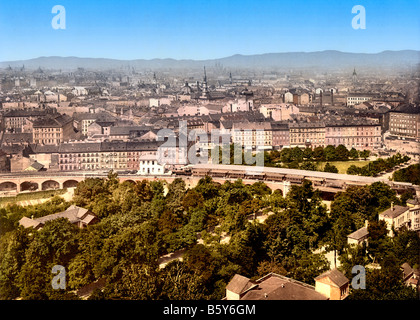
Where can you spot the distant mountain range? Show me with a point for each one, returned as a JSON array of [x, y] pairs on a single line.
[[329, 59]]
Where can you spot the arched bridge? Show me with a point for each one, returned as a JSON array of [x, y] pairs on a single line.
[[275, 178]]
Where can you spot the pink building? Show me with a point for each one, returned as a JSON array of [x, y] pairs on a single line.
[[360, 136]]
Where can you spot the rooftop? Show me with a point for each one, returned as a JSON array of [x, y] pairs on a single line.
[[56, 121], [394, 211], [407, 108], [359, 234], [336, 277], [274, 287], [74, 214], [239, 284]]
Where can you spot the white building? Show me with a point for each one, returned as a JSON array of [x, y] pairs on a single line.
[[357, 98], [79, 91], [288, 97], [278, 112], [239, 105], [149, 165], [399, 216]]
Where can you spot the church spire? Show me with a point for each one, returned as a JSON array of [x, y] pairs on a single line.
[[205, 88], [354, 77]]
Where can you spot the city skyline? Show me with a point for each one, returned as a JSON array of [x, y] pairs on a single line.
[[203, 30]]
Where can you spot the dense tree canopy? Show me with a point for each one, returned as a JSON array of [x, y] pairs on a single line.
[[410, 174], [214, 224]]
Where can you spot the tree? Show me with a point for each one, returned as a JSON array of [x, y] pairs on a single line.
[[364, 154], [54, 244], [307, 165], [354, 154], [144, 190], [175, 196], [355, 170], [378, 241], [293, 165], [259, 189], [266, 267], [138, 282], [352, 256], [296, 154], [319, 154], [406, 247], [12, 257], [410, 174], [383, 286], [207, 188], [330, 153], [308, 267], [192, 200], [382, 196], [178, 283], [286, 155], [307, 154], [330, 168], [88, 190], [80, 272], [342, 153]]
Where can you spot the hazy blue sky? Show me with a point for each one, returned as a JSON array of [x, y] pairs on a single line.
[[201, 29]]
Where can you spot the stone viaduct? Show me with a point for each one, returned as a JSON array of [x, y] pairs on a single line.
[[275, 178]]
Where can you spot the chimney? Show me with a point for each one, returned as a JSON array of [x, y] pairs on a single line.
[[392, 206], [366, 223]]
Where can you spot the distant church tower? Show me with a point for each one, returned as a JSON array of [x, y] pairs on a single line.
[[205, 92], [354, 77]]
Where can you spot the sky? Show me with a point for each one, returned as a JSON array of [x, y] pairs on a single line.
[[203, 29]]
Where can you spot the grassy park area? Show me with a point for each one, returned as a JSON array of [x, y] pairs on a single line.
[[30, 196], [342, 166]]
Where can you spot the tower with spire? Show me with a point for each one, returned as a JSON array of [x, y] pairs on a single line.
[[354, 77], [205, 92]]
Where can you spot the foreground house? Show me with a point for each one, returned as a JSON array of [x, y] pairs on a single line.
[[411, 276], [399, 216], [359, 236], [331, 285], [76, 215]]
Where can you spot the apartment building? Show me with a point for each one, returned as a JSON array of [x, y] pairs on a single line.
[[353, 134], [18, 120], [253, 135], [404, 121], [85, 119], [280, 134], [103, 155], [307, 134], [116, 155], [52, 129]]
